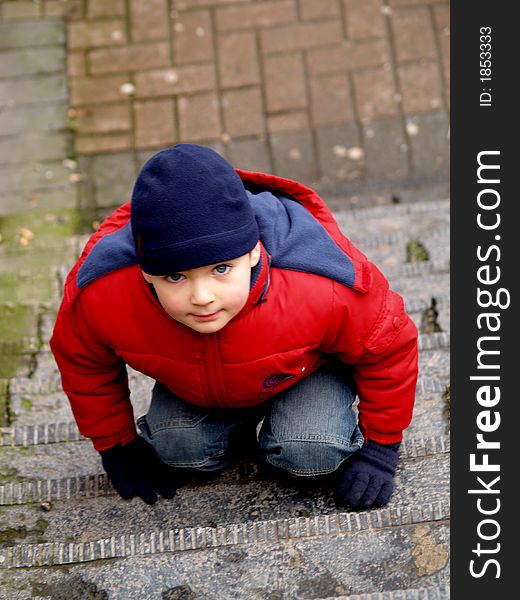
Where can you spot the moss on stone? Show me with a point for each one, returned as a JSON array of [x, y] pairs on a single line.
[[17, 321], [43, 224], [416, 251]]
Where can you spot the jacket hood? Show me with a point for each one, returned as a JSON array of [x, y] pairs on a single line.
[[296, 227]]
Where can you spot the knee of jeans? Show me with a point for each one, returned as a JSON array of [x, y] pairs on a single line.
[[188, 447], [309, 457]]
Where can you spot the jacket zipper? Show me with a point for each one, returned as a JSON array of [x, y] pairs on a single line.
[[212, 369]]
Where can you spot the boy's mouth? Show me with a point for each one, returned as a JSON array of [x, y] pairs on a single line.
[[208, 317]]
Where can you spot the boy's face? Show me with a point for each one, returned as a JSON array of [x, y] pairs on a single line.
[[206, 298]]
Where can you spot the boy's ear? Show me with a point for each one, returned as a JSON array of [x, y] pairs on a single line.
[[254, 255], [147, 278]]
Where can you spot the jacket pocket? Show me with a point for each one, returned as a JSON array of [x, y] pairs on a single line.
[[390, 322]]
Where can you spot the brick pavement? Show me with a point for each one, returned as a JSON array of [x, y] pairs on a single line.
[[322, 90]]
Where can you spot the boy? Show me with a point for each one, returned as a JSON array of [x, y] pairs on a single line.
[[239, 295]]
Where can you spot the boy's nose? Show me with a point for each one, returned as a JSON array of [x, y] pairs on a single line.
[[201, 295]]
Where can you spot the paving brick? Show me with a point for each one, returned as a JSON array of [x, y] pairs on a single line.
[[76, 63], [35, 147], [90, 34], [420, 87], [410, 2], [238, 61], [55, 8], [113, 178], [49, 88], [261, 14], [134, 57], [340, 152], [74, 10], [413, 34], [193, 37], [285, 82], [154, 123], [102, 118], [149, 20], [441, 15], [293, 156], [143, 156], [105, 8], [243, 112], [188, 4], [199, 117], [318, 9], [34, 61], [102, 143], [33, 176], [430, 143], [37, 117], [26, 35], [291, 121], [349, 56], [20, 10], [19, 201], [385, 149], [91, 90], [252, 155], [178, 80], [331, 101], [364, 19], [444, 44], [375, 94], [301, 36]]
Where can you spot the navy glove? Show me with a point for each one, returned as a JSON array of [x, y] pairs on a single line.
[[135, 470], [367, 479]]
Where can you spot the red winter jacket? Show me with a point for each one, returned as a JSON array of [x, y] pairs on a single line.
[[313, 294]]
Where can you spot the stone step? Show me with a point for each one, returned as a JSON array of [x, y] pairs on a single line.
[[414, 287], [36, 426], [45, 379], [86, 524], [432, 593], [393, 216], [25, 285], [93, 483], [46, 367], [176, 537], [288, 558], [38, 416], [415, 305], [74, 512], [37, 258]]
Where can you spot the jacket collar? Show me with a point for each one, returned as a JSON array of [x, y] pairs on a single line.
[[260, 280]]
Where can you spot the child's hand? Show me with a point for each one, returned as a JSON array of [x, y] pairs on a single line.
[[368, 476], [136, 470]]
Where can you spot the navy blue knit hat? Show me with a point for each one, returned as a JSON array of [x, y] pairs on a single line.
[[189, 209]]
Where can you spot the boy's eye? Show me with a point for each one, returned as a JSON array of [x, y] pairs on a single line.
[[174, 278], [222, 269]]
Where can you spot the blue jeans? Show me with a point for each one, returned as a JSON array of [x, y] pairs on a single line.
[[308, 430]]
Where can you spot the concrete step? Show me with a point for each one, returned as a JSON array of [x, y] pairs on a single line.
[[76, 506], [380, 231], [391, 216], [300, 559], [433, 593], [38, 416], [25, 285], [31, 486]]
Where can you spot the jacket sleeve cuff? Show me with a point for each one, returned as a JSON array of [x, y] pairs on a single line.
[[123, 437], [380, 437]]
